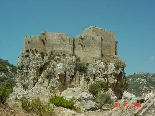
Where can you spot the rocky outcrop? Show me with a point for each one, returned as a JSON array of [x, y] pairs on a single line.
[[40, 75]]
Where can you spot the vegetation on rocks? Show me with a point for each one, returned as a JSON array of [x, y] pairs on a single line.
[[26, 104], [94, 89], [37, 107], [98, 90], [104, 99], [61, 101], [97, 87], [104, 85], [7, 83], [5, 91]]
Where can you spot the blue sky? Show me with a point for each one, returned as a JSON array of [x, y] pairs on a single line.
[[133, 22]]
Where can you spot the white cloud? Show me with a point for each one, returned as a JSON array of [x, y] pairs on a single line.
[[152, 58]]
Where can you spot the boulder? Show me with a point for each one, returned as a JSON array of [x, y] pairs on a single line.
[[89, 105]]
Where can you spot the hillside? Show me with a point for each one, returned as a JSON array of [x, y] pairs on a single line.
[[141, 83], [7, 71], [6, 66], [7, 76]]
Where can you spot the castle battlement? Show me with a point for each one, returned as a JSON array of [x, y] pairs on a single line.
[[92, 44]]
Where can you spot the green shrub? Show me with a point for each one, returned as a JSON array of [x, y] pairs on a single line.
[[94, 89], [5, 91], [26, 104], [37, 107], [60, 101], [104, 99], [49, 111], [103, 85], [81, 67]]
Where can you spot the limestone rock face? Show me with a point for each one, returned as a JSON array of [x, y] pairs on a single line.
[[84, 96], [41, 75]]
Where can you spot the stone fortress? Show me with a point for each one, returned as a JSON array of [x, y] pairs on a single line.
[[55, 64], [93, 44]]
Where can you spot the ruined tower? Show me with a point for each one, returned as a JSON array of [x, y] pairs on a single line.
[[91, 45]]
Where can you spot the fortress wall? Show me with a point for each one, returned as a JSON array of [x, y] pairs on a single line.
[[42, 45], [88, 48], [34, 42], [31, 42], [92, 45], [59, 43], [107, 38], [108, 43]]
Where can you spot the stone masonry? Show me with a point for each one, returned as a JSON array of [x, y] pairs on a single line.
[[93, 44]]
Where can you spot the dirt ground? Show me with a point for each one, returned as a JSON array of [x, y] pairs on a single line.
[[7, 111]]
